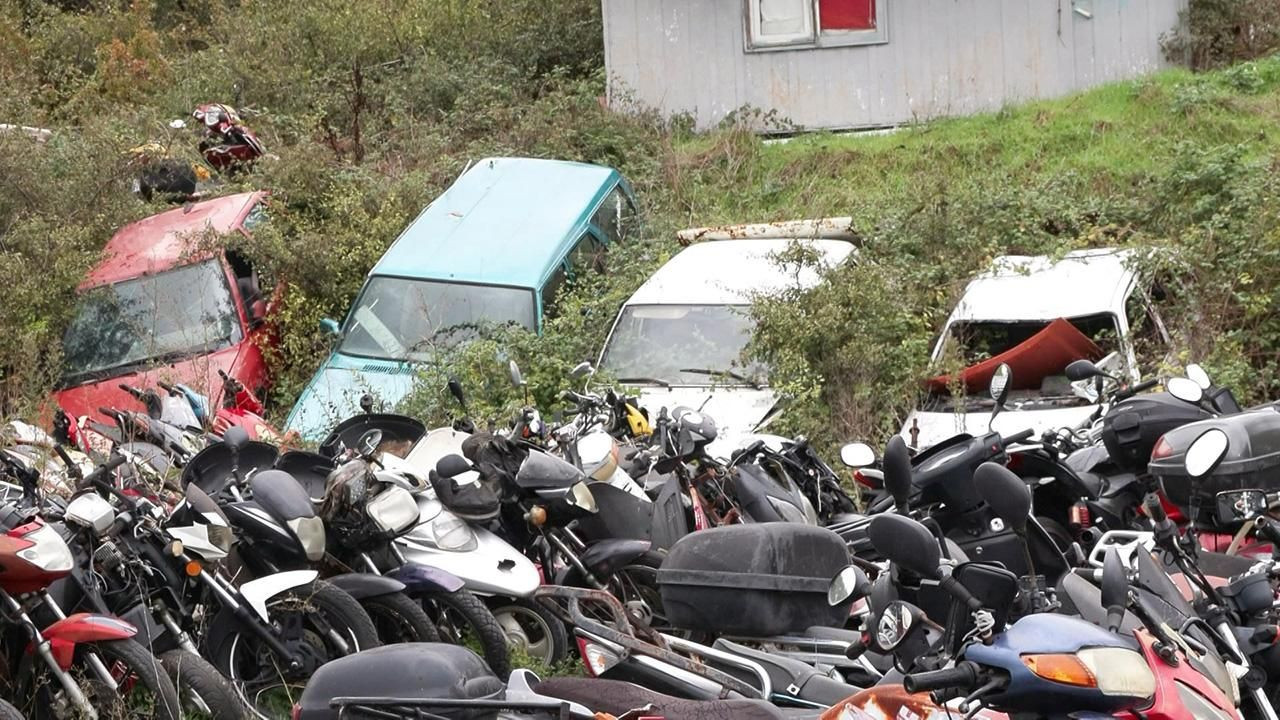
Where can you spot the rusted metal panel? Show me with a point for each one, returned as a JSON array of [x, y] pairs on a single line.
[[834, 228], [942, 57]]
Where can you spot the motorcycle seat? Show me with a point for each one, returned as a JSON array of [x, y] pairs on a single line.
[[616, 697]]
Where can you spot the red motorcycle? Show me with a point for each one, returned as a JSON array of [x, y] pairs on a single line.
[[227, 143], [85, 665]]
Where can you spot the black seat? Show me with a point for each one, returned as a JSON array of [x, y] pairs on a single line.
[[616, 697]]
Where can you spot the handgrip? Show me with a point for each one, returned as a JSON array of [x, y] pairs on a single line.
[[964, 676], [1155, 509], [960, 592], [97, 475], [1018, 437]]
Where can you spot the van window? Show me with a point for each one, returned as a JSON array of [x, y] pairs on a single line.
[[1147, 333], [587, 254], [616, 216], [551, 291]]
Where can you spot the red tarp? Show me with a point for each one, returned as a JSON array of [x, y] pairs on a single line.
[[1043, 354]]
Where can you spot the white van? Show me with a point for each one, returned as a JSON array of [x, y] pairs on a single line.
[[680, 337], [1036, 313]]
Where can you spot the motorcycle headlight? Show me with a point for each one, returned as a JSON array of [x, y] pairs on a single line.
[[580, 497], [1197, 705], [1113, 671], [393, 510], [310, 533], [453, 533]]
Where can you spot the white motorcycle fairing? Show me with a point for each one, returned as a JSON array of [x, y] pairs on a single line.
[[257, 592]]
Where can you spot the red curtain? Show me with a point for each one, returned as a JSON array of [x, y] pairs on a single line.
[[847, 14]]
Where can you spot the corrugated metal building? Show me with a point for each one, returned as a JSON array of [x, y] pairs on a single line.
[[870, 63]]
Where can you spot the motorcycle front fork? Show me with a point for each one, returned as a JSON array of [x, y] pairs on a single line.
[[44, 649]]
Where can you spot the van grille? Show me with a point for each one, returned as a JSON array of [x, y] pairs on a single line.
[[386, 369]]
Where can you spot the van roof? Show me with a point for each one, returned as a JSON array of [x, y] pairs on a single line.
[[160, 242], [727, 272], [505, 221], [1035, 287]]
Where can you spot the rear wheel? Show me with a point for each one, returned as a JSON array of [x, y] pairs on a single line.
[[202, 691], [532, 629], [143, 688], [9, 712], [463, 619], [399, 619]]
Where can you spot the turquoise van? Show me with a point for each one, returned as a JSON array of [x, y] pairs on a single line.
[[493, 248]]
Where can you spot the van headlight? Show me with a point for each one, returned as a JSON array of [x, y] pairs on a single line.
[[580, 497], [393, 510], [452, 533], [310, 533]]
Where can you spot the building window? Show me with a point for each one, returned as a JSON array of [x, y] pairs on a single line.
[[791, 24]]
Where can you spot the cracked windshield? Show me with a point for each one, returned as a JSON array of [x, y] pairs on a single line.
[[151, 320], [400, 319]]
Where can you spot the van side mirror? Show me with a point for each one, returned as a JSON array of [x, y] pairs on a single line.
[[329, 326]]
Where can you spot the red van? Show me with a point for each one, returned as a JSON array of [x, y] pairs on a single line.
[[161, 306]]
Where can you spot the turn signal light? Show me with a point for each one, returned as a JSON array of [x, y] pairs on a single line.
[[1066, 669], [1162, 449], [536, 516], [193, 568]]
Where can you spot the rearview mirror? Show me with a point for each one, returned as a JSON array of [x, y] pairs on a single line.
[[897, 472], [1006, 493], [1115, 588], [455, 389], [907, 543], [895, 624], [1082, 370], [849, 584], [329, 326], [1001, 379], [1234, 506], [514, 371], [1184, 389], [857, 455], [235, 438], [452, 466], [582, 369], [1206, 452], [1197, 375]]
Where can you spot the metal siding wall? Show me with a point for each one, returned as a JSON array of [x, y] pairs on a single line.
[[944, 57]]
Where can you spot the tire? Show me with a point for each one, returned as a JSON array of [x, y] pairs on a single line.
[[9, 712], [463, 619], [637, 582], [328, 622], [130, 665], [1060, 535], [399, 619], [202, 690], [531, 628]]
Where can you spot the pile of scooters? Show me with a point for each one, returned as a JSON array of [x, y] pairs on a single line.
[[178, 560]]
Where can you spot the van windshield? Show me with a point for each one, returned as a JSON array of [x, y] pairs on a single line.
[[150, 320], [664, 342], [404, 319]]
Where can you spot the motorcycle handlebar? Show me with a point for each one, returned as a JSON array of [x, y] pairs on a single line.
[[1018, 437], [96, 477], [136, 392], [1143, 386], [1155, 510], [963, 675]]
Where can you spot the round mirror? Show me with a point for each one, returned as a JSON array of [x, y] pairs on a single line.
[[893, 626], [1184, 389], [1206, 452], [1000, 381], [368, 443], [857, 455], [850, 583], [1197, 375], [1081, 370]]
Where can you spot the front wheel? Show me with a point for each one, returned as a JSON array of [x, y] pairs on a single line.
[[399, 619], [532, 629], [144, 690], [202, 690], [463, 619]]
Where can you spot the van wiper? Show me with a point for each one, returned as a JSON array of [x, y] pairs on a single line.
[[726, 373], [645, 381]]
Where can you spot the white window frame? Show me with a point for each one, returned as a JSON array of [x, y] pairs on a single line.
[[814, 37]]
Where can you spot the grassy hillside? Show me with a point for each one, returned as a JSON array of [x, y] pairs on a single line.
[[372, 113]]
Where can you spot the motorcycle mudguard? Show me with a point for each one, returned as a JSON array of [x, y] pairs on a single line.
[[257, 592], [606, 557], [64, 635], [419, 578], [366, 585]]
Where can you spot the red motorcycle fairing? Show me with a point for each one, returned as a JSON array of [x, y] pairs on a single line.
[[891, 702], [64, 635], [1178, 688]]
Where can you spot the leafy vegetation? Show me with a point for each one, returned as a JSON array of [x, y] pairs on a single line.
[[371, 110]]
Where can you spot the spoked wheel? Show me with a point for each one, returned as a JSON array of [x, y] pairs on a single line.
[[531, 628], [636, 586], [143, 689], [202, 691], [317, 625]]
